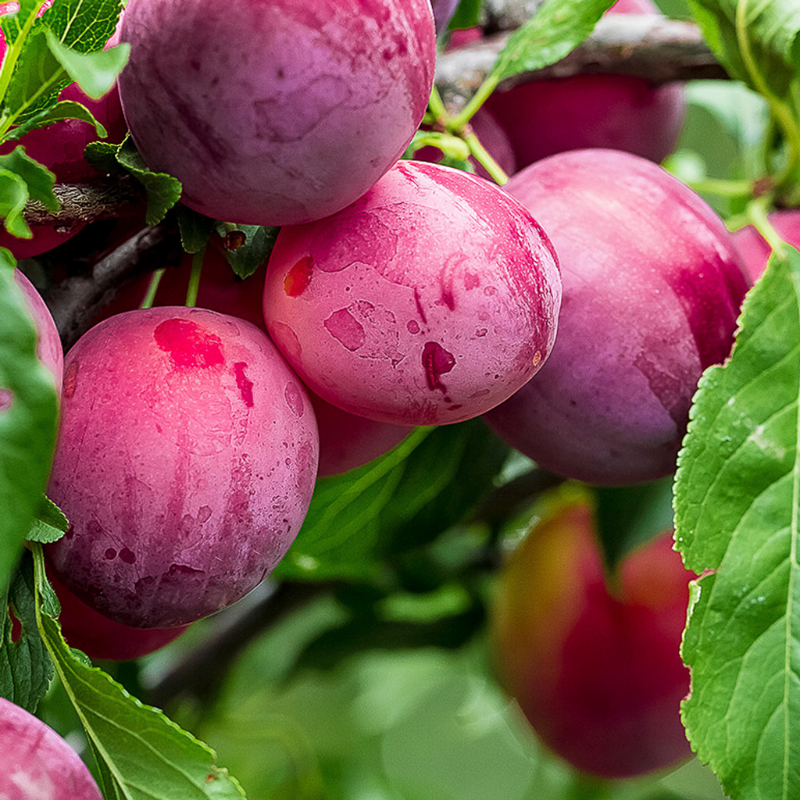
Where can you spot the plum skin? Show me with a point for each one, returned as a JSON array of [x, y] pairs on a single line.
[[277, 112], [37, 762], [185, 462], [652, 291], [427, 301], [100, 637], [48, 348], [598, 675], [623, 112]]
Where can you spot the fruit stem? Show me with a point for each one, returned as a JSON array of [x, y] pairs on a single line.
[[155, 280], [482, 156], [194, 278], [437, 107], [757, 211], [472, 107]]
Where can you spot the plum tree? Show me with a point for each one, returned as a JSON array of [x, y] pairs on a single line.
[[593, 661], [652, 290], [429, 300], [48, 347], [60, 148], [546, 117], [185, 463], [276, 113], [37, 762], [100, 637], [753, 247]]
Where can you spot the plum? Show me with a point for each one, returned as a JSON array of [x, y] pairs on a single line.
[[100, 637], [623, 112], [652, 290], [276, 112], [595, 670], [49, 347], [429, 300], [59, 147], [37, 762], [185, 463], [753, 247]]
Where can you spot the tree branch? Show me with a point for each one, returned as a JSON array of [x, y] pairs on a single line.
[[646, 46]]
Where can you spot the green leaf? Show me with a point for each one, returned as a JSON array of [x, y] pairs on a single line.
[[94, 72], [195, 229], [25, 666], [13, 197], [38, 178], [552, 33], [163, 191], [103, 157], [28, 420], [83, 25], [13, 24], [36, 82], [141, 754], [247, 258], [397, 502], [63, 109], [50, 523], [737, 496], [467, 15], [755, 40]]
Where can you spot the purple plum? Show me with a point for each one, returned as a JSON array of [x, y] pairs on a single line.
[[276, 112], [652, 290]]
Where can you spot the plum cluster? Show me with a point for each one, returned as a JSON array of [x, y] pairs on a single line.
[[575, 310]]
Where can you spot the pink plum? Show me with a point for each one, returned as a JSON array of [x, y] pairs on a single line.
[[595, 668], [49, 347], [185, 463], [618, 111], [37, 762], [652, 290], [753, 247], [429, 300], [276, 112]]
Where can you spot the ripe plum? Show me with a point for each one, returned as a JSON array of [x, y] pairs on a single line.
[[185, 463], [276, 112], [429, 300], [652, 290]]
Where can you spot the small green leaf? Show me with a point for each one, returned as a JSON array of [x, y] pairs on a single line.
[[195, 229], [163, 191], [63, 109], [103, 157], [37, 177], [13, 197], [737, 495], [467, 15], [141, 754], [552, 33], [25, 666], [50, 523], [247, 258], [12, 24], [28, 420], [94, 72]]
